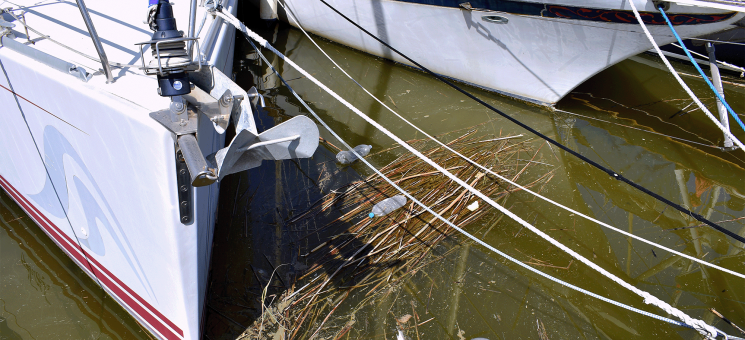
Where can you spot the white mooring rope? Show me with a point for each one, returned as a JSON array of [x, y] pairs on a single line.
[[681, 82], [720, 62], [740, 275], [699, 325]]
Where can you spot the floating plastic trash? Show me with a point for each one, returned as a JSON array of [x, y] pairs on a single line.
[[347, 157], [388, 205]]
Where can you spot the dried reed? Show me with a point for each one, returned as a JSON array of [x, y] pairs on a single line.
[[368, 257]]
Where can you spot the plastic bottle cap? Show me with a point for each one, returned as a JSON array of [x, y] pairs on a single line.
[[371, 215]]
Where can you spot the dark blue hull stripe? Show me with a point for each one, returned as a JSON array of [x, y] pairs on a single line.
[[576, 13]]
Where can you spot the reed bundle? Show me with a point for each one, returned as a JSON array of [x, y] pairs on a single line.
[[360, 259]]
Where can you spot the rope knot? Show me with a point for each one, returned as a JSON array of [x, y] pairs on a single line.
[[703, 328]]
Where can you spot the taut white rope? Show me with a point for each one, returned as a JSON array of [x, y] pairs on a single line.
[[740, 275], [699, 325], [723, 63], [681, 82]]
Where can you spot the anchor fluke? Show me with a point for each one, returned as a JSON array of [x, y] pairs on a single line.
[[218, 98], [295, 138]]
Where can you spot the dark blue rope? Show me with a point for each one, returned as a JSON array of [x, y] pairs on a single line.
[[546, 138]]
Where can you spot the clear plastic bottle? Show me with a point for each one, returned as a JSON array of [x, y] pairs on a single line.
[[388, 205], [347, 157]]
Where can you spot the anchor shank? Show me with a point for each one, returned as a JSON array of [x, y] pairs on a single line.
[[200, 173]]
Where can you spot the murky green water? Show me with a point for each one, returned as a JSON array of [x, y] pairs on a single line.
[[616, 119], [44, 294]]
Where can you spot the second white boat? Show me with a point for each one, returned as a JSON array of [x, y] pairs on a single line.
[[536, 51]]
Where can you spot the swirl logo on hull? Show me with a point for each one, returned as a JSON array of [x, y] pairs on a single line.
[[88, 210]]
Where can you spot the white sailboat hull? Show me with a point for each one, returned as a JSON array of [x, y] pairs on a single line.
[[97, 174], [539, 57]]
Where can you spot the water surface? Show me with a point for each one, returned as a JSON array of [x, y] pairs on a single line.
[[625, 118]]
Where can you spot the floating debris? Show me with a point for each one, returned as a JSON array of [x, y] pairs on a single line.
[[348, 157], [355, 258], [388, 206]]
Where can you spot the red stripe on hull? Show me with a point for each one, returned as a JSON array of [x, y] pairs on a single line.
[[137, 297], [116, 279], [74, 251], [56, 234]]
